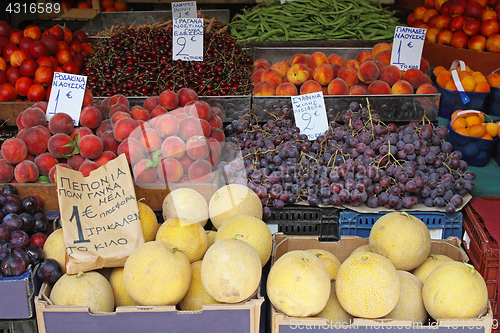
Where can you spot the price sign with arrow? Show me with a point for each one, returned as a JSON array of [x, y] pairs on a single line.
[[407, 47], [187, 39], [67, 95], [185, 9]]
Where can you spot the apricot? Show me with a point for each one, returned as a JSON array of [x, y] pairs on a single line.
[[469, 83], [348, 75], [323, 74], [491, 129], [280, 67], [401, 87], [482, 86], [368, 72], [494, 80], [478, 76], [476, 130], [334, 58], [459, 122], [486, 136], [271, 76], [286, 89], [338, 87], [450, 85], [473, 119], [310, 86], [174, 147], [443, 77], [438, 70], [317, 58], [264, 89], [462, 131]]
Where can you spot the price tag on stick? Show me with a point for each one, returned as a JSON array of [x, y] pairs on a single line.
[[185, 9], [187, 39], [310, 114], [407, 47], [67, 95]]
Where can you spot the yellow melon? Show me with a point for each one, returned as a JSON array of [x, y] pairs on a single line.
[[231, 270], [211, 237], [431, 263], [156, 273], [455, 290], [368, 285], [190, 238], [89, 289], [362, 248], [54, 248], [410, 305], [252, 230], [331, 262], [333, 311], [402, 238], [299, 284], [121, 296], [233, 199], [149, 222], [187, 205], [196, 296]]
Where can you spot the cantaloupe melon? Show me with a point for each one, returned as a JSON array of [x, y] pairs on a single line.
[[331, 262], [233, 199], [54, 248], [432, 262], [455, 290], [368, 285], [156, 273], [402, 238], [410, 305], [196, 296], [254, 231], [298, 284], [186, 204], [362, 248], [149, 222], [333, 311], [211, 237], [89, 289], [231, 270], [121, 296]]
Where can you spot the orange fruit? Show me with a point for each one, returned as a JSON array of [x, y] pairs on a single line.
[[107, 3], [476, 130], [482, 86], [438, 70], [461, 75], [478, 76], [121, 6], [467, 69], [450, 85], [443, 77], [469, 83], [456, 112], [462, 131], [491, 129], [486, 136], [459, 122], [473, 119]]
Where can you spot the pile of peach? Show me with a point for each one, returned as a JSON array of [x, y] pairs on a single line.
[[30, 57], [369, 74], [473, 125], [494, 80], [471, 81], [171, 138], [460, 23]]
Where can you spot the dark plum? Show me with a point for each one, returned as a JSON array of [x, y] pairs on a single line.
[[21, 253], [9, 189], [4, 233], [5, 249], [28, 222], [11, 206], [35, 252], [30, 205], [14, 197], [41, 223], [12, 265], [49, 271], [13, 221], [19, 238]]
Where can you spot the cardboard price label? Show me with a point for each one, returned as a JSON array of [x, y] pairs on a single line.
[[185, 9], [67, 95], [310, 114], [188, 39], [407, 47], [99, 216]]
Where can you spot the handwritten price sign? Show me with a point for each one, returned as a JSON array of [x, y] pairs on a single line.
[[188, 39], [67, 95], [407, 47], [186, 9], [310, 114]]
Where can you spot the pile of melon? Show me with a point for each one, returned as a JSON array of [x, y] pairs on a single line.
[[394, 276], [185, 261]]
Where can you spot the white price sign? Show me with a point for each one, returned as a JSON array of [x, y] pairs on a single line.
[[186, 9], [407, 47], [310, 114], [188, 39], [67, 95]]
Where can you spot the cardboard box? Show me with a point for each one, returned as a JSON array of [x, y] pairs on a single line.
[[70, 14], [230, 318], [18, 295], [281, 323]]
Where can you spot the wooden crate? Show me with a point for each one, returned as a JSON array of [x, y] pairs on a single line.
[[72, 13], [10, 110]]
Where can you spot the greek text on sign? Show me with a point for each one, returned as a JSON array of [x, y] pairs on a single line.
[[407, 47], [186, 9], [310, 114], [188, 39], [67, 95]]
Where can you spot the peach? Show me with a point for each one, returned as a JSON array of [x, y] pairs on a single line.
[[477, 43], [264, 89], [310, 86], [118, 99], [415, 77], [298, 74], [334, 58], [104, 111], [199, 109], [189, 127], [261, 62], [219, 135], [74, 161], [348, 75], [33, 117], [338, 87], [139, 113], [80, 132], [197, 147], [6, 172], [425, 67], [317, 58], [402, 87], [299, 58], [201, 171], [379, 87], [36, 140], [431, 35], [151, 102], [26, 172], [390, 74], [494, 80], [256, 76], [215, 121], [141, 175], [384, 57], [52, 171], [61, 123], [103, 127], [280, 67], [109, 142], [186, 95], [132, 149], [123, 128], [45, 162], [90, 117], [117, 116], [14, 150], [205, 127], [286, 89], [186, 162], [271, 76], [427, 88], [362, 55], [167, 125], [169, 170], [368, 72], [482, 86], [323, 74], [90, 146], [173, 147], [181, 116], [357, 90], [169, 99], [488, 28], [472, 27], [158, 111], [150, 140], [87, 167], [105, 157], [352, 63], [493, 43], [379, 47]]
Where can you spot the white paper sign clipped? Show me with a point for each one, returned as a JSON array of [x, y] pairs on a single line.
[[185, 9], [407, 47], [188, 39], [310, 114], [67, 95]]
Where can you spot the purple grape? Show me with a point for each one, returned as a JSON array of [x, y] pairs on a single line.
[[408, 202], [429, 202], [266, 213]]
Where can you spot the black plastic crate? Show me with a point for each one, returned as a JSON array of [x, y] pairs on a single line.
[[18, 326], [307, 220]]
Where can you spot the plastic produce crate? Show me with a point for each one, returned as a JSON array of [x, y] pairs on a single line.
[[482, 250], [18, 326], [307, 220], [440, 225]]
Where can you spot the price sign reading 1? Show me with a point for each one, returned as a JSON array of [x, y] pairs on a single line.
[[188, 39], [67, 95], [186, 9], [310, 114], [407, 47]]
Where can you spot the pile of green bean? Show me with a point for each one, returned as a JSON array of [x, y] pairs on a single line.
[[314, 20]]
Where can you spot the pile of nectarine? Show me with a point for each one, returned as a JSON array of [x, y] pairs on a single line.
[[369, 74], [460, 23], [472, 81], [473, 124], [30, 57]]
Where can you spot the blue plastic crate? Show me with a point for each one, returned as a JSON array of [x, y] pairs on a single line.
[[440, 225]]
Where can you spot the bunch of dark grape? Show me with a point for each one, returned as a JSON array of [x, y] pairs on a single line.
[[360, 161]]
